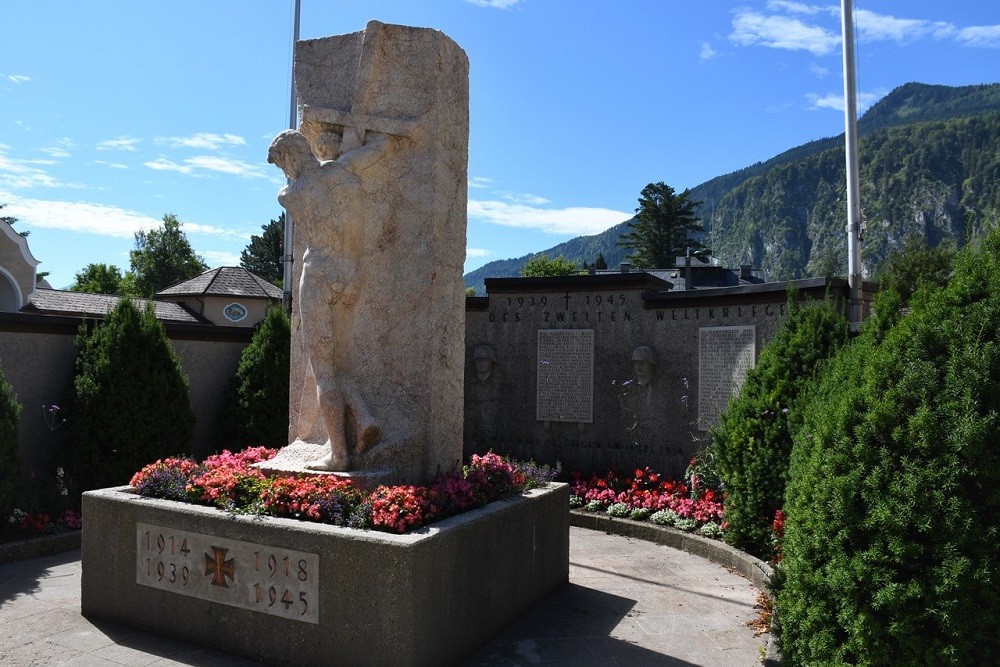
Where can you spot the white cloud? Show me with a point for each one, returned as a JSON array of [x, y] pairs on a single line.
[[120, 144], [573, 220], [751, 28], [79, 216], [480, 182], [56, 151], [226, 166], [818, 71], [798, 7], [219, 258], [91, 218], [115, 165], [985, 36], [497, 4], [879, 27], [163, 164], [780, 27], [203, 141], [835, 101], [524, 198], [21, 175], [477, 252], [195, 165], [18, 78], [707, 52]]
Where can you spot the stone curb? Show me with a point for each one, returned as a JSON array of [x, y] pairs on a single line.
[[754, 569], [36, 547]]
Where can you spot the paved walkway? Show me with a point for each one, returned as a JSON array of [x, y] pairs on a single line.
[[629, 602]]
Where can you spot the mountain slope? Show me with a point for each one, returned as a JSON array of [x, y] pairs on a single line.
[[797, 228]]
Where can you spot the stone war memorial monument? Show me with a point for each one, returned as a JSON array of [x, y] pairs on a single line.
[[377, 192], [377, 180]]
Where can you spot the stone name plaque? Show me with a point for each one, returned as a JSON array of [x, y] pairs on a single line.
[[565, 375], [725, 354], [259, 577]]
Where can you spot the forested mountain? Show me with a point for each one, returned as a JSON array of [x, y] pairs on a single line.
[[930, 165]]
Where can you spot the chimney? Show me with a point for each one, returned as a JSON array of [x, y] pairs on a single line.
[[625, 267]]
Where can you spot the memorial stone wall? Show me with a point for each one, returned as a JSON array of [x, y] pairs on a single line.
[[550, 373]]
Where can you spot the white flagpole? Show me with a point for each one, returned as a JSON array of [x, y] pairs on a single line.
[[293, 117], [854, 270]]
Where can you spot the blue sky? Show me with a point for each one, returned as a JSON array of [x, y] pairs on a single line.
[[114, 113]]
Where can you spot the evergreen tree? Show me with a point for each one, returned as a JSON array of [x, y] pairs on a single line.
[[662, 228], [129, 402], [10, 462], [753, 440], [892, 544], [163, 257], [256, 411], [600, 263], [264, 254]]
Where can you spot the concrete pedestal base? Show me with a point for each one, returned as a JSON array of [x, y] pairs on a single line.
[[299, 593]]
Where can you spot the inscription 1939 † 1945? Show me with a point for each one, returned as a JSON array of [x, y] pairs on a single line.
[[259, 577]]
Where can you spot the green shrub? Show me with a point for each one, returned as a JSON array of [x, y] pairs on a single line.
[[129, 401], [892, 542], [256, 411], [10, 462], [753, 441]]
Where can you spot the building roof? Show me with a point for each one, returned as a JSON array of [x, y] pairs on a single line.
[[225, 281], [62, 302]]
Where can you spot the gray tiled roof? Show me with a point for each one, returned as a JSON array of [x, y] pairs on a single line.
[[225, 281], [60, 302]]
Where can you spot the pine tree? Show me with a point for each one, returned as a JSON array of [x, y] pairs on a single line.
[[662, 228]]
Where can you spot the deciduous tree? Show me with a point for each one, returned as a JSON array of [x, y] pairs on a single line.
[[163, 257], [98, 279], [541, 266]]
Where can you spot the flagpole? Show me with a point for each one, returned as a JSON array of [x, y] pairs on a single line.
[[854, 269], [293, 117]]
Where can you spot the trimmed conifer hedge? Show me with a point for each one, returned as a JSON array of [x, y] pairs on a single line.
[[256, 411], [10, 461], [753, 441], [129, 401], [892, 542]]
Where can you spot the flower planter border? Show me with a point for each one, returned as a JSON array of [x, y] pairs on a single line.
[[36, 547], [429, 597]]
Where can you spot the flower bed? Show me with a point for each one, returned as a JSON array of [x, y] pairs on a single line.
[[230, 481], [647, 496]]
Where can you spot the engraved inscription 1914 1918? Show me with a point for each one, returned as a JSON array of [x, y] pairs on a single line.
[[259, 577], [565, 375], [725, 354]]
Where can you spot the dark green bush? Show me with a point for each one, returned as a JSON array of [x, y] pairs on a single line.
[[129, 401], [256, 411], [10, 462], [891, 547], [753, 441]]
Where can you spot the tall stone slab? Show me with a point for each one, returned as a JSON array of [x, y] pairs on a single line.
[[404, 341]]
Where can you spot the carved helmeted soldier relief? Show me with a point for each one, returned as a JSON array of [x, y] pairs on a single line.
[[644, 364]]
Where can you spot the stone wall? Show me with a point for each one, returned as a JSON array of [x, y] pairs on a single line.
[[37, 356], [536, 402]]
